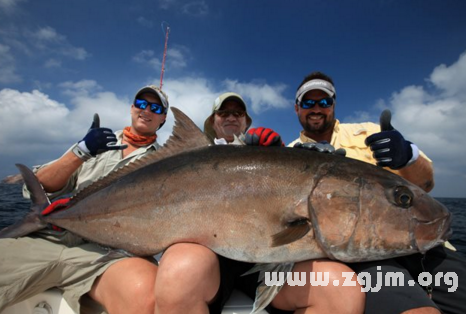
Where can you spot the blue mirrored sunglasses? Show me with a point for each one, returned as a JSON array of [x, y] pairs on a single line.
[[154, 107], [323, 103]]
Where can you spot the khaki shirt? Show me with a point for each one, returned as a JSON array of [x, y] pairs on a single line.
[[96, 167], [351, 137]]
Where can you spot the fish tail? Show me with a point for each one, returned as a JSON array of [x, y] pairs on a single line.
[[32, 221]]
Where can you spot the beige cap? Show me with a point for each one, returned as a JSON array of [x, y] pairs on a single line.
[[208, 124]]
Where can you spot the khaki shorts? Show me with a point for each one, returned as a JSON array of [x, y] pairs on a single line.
[[46, 259]]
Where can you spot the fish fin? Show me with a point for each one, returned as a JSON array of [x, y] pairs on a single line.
[[265, 293], [295, 230], [32, 221], [186, 136]]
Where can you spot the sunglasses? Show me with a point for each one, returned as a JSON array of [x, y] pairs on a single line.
[[226, 113], [154, 107], [323, 103]]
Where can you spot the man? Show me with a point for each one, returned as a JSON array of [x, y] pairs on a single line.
[[51, 258], [193, 279], [386, 147]]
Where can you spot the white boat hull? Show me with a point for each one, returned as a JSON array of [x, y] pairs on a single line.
[[51, 302]]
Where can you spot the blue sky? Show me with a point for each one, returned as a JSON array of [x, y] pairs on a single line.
[[61, 61]]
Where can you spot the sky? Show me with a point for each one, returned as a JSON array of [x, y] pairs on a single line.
[[63, 61]]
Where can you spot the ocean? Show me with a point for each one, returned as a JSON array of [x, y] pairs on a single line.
[[13, 206]]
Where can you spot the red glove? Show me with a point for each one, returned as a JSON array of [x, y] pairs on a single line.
[[263, 137], [56, 206]]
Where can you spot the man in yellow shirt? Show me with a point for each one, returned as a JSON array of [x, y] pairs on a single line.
[[386, 147]]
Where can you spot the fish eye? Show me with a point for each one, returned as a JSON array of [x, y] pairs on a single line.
[[403, 196]]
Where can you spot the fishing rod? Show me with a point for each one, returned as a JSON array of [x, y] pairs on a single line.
[[166, 31]]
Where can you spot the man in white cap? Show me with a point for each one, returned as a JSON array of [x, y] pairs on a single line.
[[383, 146], [315, 108], [56, 258], [193, 279]]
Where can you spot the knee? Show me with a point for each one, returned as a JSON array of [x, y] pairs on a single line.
[[187, 262], [348, 291], [140, 285], [127, 286], [141, 290], [187, 272]]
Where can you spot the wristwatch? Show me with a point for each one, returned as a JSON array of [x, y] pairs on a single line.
[[80, 153]]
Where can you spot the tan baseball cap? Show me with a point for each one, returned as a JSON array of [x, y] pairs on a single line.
[[219, 101]]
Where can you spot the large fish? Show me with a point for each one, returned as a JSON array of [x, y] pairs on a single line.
[[254, 204]]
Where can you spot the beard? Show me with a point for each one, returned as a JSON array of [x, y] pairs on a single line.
[[321, 128]]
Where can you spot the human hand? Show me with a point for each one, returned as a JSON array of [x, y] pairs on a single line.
[[389, 147], [99, 140], [321, 147], [263, 137]]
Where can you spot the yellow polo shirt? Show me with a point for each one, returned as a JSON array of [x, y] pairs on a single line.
[[351, 137]]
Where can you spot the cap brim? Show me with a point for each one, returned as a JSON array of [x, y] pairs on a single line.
[[150, 90]]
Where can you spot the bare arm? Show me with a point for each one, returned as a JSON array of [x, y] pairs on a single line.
[[420, 173], [55, 176]]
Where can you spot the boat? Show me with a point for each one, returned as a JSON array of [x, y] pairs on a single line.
[[52, 302]]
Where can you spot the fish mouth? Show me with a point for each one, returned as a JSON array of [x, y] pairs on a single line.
[[431, 234]]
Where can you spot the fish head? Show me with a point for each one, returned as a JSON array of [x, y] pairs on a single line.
[[367, 213]]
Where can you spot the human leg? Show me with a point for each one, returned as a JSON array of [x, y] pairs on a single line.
[[26, 268], [389, 291], [34, 264], [447, 269], [126, 287], [188, 279], [330, 298]]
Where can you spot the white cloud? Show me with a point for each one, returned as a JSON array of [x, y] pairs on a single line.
[[451, 80], [193, 8], [7, 66], [9, 6], [81, 88], [167, 4], [196, 8], [145, 22], [48, 34], [176, 58], [263, 96], [31, 122], [433, 119], [48, 40], [52, 63], [146, 57]]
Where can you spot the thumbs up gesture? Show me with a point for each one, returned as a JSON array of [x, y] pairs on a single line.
[[99, 140], [389, 147]]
